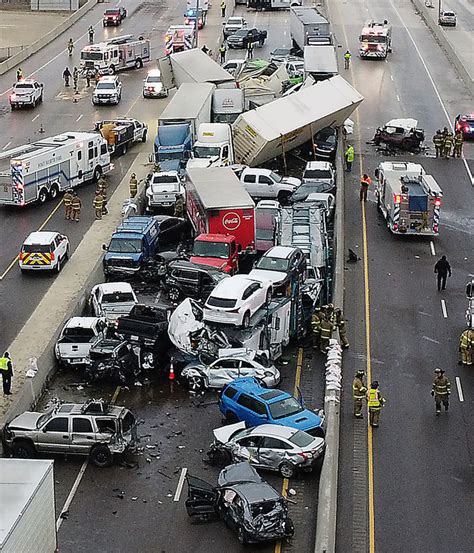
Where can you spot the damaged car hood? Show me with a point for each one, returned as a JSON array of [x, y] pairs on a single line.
[[26, 421], [182, 323], [225, 433]]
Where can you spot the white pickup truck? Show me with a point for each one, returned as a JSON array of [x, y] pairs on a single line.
[[163, 189], [77, 337], [26, 92]]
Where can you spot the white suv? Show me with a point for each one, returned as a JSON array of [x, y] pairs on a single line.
[[107, 91], [43, 251], [26, 92]]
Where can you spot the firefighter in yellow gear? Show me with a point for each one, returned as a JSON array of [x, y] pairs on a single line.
[[76, 206], [341, 325], [375, 401], [316, 327], [328, 312], [133, 186], [448, 144], [67, 200], [441, 390], [102, 188], [466, 345], [359, 393], [327, 328], [98, 204], [458, 142]]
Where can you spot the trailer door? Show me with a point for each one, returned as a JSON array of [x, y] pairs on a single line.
[[166, 69], [6, 188]]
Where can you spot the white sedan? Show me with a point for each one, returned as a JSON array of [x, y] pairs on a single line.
[[234, 300]]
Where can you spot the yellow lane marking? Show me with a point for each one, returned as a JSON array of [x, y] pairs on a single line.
[[115, 395], [286, 482]]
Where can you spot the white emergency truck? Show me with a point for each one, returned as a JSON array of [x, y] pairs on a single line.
[[38, 171], [179, 38], [116, 54], [375, 40], [408, 198]]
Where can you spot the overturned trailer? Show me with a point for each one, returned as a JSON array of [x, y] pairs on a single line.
[[280, 126]]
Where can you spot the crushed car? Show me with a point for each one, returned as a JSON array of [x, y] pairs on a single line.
[[112, 361], [268, 446], [400, 134], [246, 503], [93, 428]]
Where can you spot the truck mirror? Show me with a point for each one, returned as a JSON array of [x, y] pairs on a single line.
[[105, 247]]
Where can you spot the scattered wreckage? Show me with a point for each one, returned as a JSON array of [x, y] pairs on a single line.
[[400, 134], [248, 504]]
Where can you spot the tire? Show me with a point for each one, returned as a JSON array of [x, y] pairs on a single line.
[[23, 449], [58, 266], [34, 103], [246, 320], [195, 383], [53, 192], [101, 456], [124, 149], [41, 98], [261, 43], [96, 175], [242, 535], [174, 293], [138, 64], [231, 418], [144, 137], [112, 70], [42, 196], [66, 255], [287, 470]]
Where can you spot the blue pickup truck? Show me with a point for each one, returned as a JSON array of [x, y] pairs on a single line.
[[173, 145]]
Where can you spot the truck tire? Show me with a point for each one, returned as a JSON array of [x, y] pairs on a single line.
[[101, 456], [138, 63], [42, 196], [124, 149], [96, 175], [111, 69], [53, 192], [174, 293], [23, 449]]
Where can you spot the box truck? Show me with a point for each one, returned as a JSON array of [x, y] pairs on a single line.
[[307, 26]]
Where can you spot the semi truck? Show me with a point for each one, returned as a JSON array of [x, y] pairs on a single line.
[[284, 124], [172, 148], [27, 505], [408, 198], [116, 54], [320, 62], [307, 26], [120, 134], [43, 169], [214, 146], [227, 104]]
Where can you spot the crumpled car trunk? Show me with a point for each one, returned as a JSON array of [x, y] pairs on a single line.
[[268, 526]]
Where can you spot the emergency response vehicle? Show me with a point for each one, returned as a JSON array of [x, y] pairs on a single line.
[[116, 54], [408, 198], [44, 251], [122, 133], [179, 38], [38, 171], [375, 40]]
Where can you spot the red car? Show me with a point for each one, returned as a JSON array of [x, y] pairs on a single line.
[[114, 16]]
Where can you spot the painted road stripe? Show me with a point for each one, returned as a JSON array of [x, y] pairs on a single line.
[[458, 386], [179, 489], [79, 118], [432, 248], [398, 98], [35, 118], [72, 493], [6, 145], [444, 309]]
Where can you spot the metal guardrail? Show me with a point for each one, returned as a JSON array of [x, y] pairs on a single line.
[[9, 51]]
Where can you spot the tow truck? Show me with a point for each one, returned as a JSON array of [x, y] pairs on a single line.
[[375, 40], [122, 133]]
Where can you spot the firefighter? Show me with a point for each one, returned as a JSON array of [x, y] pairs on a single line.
[[347, 59], [327, 328], [179, 207], [19, 74], [466, 345], [66, 76], [438, 141], [441, 390], [448, 144], [458, 141], [341, 325], [67, 199], [375, 402], [88, 79], [365, 182], [223, 8], [328, 312], [349, 156], [91, 34], [133, 185], [102, 188], [359, 393], [75, 78], [98, 204], [316, 327], [76, 206], [70, 46], [249, 49], [222, 52], [442, 269]]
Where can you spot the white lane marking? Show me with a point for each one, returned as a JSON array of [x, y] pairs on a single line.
[[444, 309], [72, 493], [458, 386], [430, 339], [80, 117], [398, 98], [391, 76], [432, 248], [6, 145], [179, 489], [35, 118], [468, 170]]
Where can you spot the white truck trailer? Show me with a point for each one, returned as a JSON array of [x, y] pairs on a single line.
[[284, 124], [38, 171], [27, 508], [408, 198], [307, 26], [320, 62]]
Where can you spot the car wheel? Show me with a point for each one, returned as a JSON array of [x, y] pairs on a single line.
[[53, 192], [138, 64], [23, 450], [241, 535], [144, 136], [101, 456], [124, 149], [174, 294], [195, 383], [42, 196], [111, 69], [246, 320], [58, 266], [287, 470], [231, 418], [96, 175]]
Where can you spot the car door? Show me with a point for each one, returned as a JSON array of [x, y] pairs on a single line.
[[54, 436], [83, 435], [223, 371], [246, 368], [250, 184], [266, 187], [247, 449], [252, 411], [202, 498], [272, 452], [206, 283]]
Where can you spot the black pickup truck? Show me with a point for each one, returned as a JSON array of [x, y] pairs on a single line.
[[242, 37], [144, 323]]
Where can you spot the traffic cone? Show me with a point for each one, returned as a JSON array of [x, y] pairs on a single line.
[[41, 129], [171, 373]]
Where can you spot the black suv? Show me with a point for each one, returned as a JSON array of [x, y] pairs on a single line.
[[242, 38], [190, 280], [112, 360]]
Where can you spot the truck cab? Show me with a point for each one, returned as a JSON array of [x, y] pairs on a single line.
[[213, 147], [216, 250], [173, 146]]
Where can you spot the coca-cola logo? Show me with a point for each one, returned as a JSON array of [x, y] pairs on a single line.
[[231, 221]]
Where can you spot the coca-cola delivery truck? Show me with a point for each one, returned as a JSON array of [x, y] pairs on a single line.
[[223, 217]]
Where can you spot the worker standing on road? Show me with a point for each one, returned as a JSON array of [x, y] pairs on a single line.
[[441, 390], [316, 327], [76, 207], [222, 52], [375, 402], [327, 328], [75, 77], [458, 142], [438, 141], [223, 8], [6, 368], [70, 46], [349, 156], [466, 345], [179, 207], [347, 59], [365, 182], [249, 49], [19, 74], [91, 34], [102, 188], [67, 199], [133, 186], [341, 325], [448, 144], [359, 393], [98, 204], [66, 76], [442, 269]]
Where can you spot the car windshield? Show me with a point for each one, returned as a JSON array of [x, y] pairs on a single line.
[[301, 439], [285, 408], [23, 85], [211, 249], [125, 245], [154, 79], [317, 174], [307, 188], [206, 151], [37, 248], [273, 264], [118, 297], [240, 33], [43, 419], [275, 177], [373, 39], [105, 86]]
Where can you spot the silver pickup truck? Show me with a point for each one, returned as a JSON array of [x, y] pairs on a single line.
[[76, 339]]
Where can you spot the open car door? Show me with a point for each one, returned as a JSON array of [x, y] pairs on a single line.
[[202, 499]]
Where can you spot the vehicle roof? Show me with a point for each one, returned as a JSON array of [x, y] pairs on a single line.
[[266, 204], [318, 165], [235, 18], [40, 237], [406, 124], [26, 81], [252, 386], [153, 72], [200, 69], [227, 238], [308, 14], [81, 322], [209, 181], [233, 285], [274, 430], [110, 287], [256, 492], [280, 252]]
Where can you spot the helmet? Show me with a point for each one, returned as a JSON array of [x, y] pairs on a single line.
[[438, 370], [375, 384], [133, 175], [330, 306], [360, 373]]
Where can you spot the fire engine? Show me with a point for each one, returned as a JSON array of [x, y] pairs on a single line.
[[375, 40], [179, 38]]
